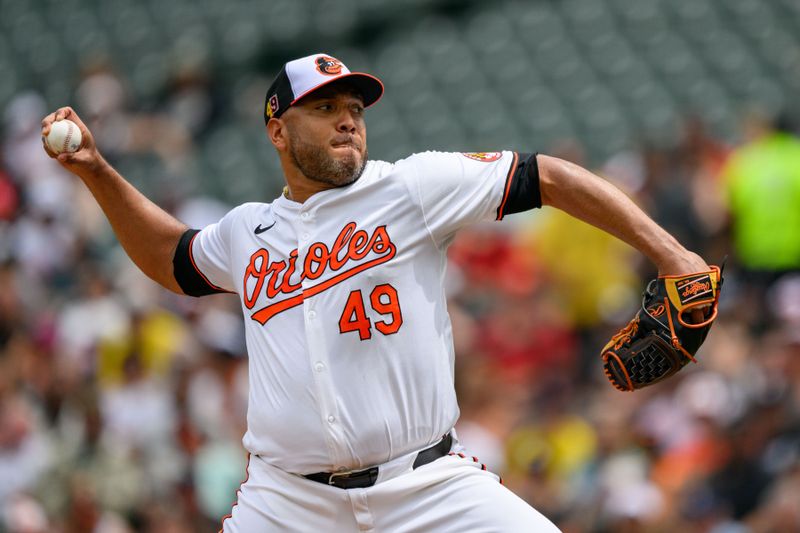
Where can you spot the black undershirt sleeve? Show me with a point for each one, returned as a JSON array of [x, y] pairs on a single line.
[[190, 279], [522, 187]]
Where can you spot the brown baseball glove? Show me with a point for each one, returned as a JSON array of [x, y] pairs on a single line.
[[661, 338]]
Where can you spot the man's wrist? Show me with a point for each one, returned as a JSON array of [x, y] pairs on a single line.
[[98, 167], [681, 261]]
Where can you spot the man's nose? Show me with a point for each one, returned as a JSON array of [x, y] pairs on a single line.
[[346, 123]]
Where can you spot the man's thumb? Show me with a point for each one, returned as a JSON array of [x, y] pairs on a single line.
[[70, 158]]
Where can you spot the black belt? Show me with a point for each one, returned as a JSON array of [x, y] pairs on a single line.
[[367, 478]]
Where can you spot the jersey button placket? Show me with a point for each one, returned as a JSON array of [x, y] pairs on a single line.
[[305, 224], [317, 352]]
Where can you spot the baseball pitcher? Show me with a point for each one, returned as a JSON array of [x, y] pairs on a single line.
[[340, 279]]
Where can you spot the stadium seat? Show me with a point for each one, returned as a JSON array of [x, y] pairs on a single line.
[[477, 72]]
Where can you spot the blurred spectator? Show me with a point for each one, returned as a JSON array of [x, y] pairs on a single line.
[[120, 131], [762, 181], [23, 514], [94, 315], [669, 195], [704, 157], [23, 450], [762, 186], [9, 200], [138, 412], [190, 99], [590, 271]]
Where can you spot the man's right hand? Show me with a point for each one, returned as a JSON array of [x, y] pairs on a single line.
[[86, 158]]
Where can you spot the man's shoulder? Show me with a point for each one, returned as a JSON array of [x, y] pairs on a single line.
[[250, 207], [449, 158], [378, 169], [246, 212], [423, 156]]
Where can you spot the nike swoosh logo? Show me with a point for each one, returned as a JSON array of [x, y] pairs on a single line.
[[259, 230]]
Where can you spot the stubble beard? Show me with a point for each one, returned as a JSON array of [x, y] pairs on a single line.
[[318, 165]]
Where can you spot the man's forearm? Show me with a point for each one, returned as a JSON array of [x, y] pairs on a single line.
[[592, 199], [148, 234]]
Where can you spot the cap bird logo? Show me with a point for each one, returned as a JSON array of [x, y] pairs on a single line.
[[329, 66]]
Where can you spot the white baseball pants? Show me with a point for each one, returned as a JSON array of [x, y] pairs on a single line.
[[451, 494]]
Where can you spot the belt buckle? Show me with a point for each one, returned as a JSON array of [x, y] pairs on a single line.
[[334, 475]]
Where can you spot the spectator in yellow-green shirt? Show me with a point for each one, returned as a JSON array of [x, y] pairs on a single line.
[[762, 181]]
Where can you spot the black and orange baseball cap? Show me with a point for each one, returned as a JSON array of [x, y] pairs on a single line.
[[303, 76]]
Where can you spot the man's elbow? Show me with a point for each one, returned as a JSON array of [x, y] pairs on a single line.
[[166, 278], [172, 285], [555, 176]]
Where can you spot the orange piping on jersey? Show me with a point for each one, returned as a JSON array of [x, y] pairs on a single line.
[[509, 179], [475, 460], [191, 258], [263, 315], [247, 476]]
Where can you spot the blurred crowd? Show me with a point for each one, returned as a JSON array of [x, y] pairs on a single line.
[[122, 405]]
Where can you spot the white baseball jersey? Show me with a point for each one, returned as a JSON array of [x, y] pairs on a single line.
[[349, 340]]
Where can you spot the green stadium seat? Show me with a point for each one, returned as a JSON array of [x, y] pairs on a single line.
[[536, 23]]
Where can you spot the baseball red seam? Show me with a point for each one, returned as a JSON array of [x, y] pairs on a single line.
[[67, 138]]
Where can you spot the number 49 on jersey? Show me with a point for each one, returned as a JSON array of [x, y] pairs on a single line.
[[383, 299]]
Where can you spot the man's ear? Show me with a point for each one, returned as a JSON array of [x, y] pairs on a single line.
[[276, 132]]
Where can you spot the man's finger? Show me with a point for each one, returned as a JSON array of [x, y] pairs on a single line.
[[77, 157], [64, 113], [47, 147], [698, 315], [47, 123]]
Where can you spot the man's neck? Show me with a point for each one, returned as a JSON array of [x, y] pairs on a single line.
[[299, 193]]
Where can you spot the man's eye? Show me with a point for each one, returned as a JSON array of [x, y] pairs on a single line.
[[358, 110], [325, 107]]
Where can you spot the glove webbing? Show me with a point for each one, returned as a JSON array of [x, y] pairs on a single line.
[[630, 330], [622, 368]]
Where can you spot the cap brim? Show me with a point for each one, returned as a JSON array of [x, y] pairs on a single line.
[[371, 88]]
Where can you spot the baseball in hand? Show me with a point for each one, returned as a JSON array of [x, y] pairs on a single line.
[[64, 136]]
